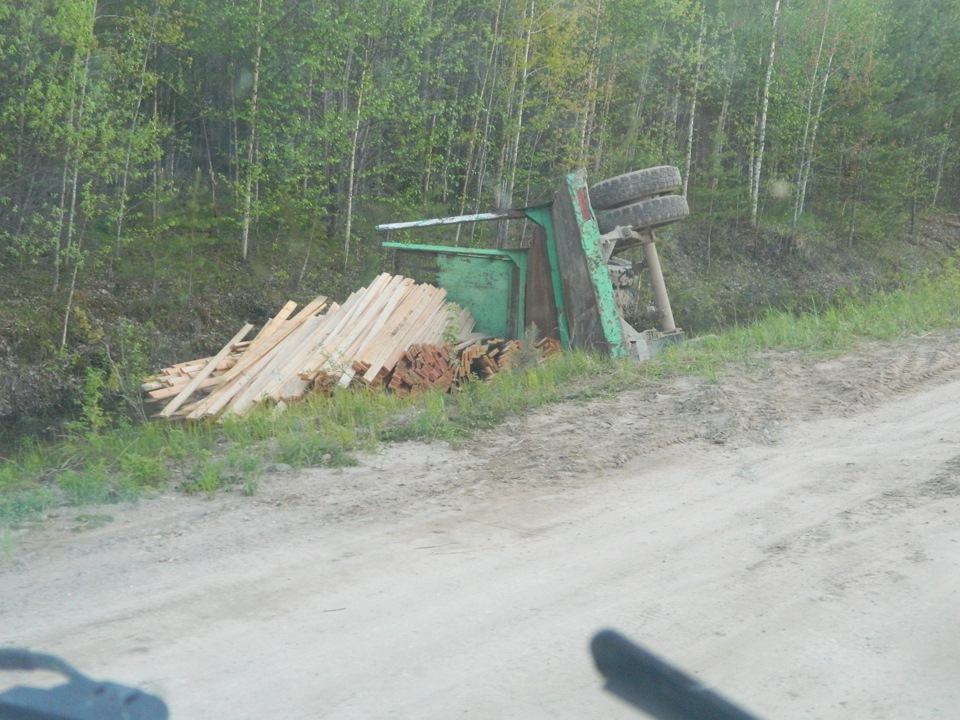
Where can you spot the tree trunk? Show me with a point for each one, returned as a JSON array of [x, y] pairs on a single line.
[[693, 102], [475, 140], [512, 159], [77, 152], [351, 177], [590, 101], [941, 162], [252, 140], [718, 143], [812, 121], [762, 128], [128, 150]]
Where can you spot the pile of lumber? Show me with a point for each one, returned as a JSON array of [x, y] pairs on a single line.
[[358, 342], [490, 356], [426, 367], [394, 333], [440, 367]]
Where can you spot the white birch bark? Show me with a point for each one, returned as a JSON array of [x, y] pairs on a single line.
[[812, 121], [252, 140], [351, 176], [693, 102], [762, 127], [506, 199]]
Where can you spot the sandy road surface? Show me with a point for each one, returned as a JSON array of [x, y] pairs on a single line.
[[790, 534]]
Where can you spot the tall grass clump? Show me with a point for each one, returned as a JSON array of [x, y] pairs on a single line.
[[932, 304]]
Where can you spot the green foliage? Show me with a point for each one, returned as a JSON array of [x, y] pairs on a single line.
[[143, 471], [93, 417], [203, 474], [128, 139], [80, 488], [312, 450], [933, 304]]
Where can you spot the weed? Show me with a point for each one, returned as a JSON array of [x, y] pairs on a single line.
[[143, 470], [307, 449], [245, 467], [206, 475], [18, 504], [87, 486], [527, 355], [93, 417]]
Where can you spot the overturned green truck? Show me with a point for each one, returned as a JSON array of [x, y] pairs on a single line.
[[566, 279]]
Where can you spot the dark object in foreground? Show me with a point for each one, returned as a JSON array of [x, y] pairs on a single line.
[[79, 699], [645, 681]]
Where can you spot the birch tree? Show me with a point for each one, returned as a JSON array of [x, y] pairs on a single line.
[[761, 129]]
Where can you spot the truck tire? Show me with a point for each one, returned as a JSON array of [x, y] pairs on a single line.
[[649, 213], [636, 185]]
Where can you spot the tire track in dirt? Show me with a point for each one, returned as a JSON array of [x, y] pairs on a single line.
[[749, 405], [865, 514]]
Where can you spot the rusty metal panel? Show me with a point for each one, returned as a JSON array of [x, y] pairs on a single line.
[[588, 292], [541, 309]]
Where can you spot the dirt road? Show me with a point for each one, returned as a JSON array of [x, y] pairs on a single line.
[[789, 534]]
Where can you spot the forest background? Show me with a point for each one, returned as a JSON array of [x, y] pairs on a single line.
[[170, 169]]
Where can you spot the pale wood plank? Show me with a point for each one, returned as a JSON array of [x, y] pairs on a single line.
[[339, 343], [173, 390], [413, 324], [369, 326], [275, 367], [274, 323], [406, 312], [288, 383], [290, 353], [247, 374], [203, 374], [253, 356]]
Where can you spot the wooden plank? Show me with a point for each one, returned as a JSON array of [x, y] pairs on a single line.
[[253, 356], [469, 340], [436, 329], [203, 374], [370, 340], [288, 370], [391, 307], [265, 342], [356, 326], [174, 390], [407, 333], [424, 366], [241, 376], [319, 355], [287, 362], [368, 335], [274, 369], [354, 306], [392, 334], [274, 323]]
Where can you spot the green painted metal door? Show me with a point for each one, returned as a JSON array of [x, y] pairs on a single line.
[[488, 283]]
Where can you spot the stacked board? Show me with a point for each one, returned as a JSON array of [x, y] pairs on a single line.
[[319, 347]]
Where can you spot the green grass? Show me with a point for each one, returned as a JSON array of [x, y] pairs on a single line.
[[933, 304], [100, 463]]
